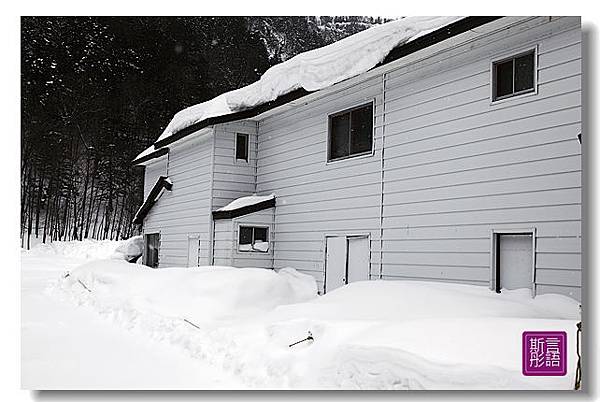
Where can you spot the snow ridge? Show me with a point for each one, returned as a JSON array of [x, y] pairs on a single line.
[[312, 70]]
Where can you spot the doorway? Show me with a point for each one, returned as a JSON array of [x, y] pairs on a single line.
[[193, 248], [151, 249], [514, 260], [347, 259]]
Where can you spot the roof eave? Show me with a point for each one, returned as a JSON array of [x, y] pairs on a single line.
[[234, 213], [446, 32]]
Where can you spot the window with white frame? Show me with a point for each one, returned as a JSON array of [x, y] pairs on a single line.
[[351, 133], [253, 238], [513, 76]]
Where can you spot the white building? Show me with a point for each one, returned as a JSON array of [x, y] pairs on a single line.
[[457, 158]]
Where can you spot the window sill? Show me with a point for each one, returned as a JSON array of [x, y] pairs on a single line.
[[362, 155], [513, 97]]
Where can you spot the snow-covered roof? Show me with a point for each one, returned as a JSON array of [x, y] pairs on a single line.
[[313, 70], [309, 71], [244, 206], [163, 183], [246, 202]]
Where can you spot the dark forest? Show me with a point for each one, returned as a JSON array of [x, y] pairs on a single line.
[[96, 91]]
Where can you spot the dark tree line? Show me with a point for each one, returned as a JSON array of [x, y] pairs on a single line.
[[96, 91]]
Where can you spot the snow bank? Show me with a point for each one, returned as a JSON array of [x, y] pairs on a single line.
[[367, 335], [423, 335], [88, 249], [246, 202], [129, 248], [312, 70], [201, 295]]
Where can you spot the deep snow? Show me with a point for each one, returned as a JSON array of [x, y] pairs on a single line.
[[70, 346], [367, 335]]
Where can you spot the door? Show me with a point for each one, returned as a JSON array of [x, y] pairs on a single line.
[[347, 260], [358, 259], [335, 262], [193, 246], [151, 249], [515, 261]]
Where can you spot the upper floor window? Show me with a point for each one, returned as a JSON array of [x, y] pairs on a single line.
[[514, 75], [241, 147], [253, 238], [351, 133]]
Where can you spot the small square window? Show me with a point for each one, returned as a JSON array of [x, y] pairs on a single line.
[[351, 133], [514, 76], [253, 238], [241, 147]]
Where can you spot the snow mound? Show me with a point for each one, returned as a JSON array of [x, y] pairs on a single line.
[[422, 335], [129, 248], [312, 70], [201, 295], [87, 249], [366, 335], [246, 202], [409, 300]]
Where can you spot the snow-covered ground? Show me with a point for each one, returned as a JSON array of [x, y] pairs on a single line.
[[119, 325], [70, 346]]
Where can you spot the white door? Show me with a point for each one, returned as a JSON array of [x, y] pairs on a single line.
[[516, 261], [358, 259], [193, 246], [335, 262]]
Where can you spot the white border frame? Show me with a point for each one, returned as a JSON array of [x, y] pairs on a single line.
[[494, 252]]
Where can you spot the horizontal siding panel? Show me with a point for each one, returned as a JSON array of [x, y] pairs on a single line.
[[558, 260], [558, 244], [437, 272], [535, 214], [423, 187], [443, 259], [532, 199], [558, 277], [571, 291], [437, 246]]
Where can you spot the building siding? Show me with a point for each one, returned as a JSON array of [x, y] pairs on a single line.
[[448, 167], [458, 165], [233, 178], [455, 165], [314, 197], [185, 210]]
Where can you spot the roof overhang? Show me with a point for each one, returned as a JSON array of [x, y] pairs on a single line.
[[456, 28], [163, 183], [234, 213]]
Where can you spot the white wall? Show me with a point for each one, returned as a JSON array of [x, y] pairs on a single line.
[[186, 209], [455, 166]]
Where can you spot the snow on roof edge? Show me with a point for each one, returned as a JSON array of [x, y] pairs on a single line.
[[313, 70], [246, 202]]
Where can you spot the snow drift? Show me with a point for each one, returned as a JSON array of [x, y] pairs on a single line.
[[87, 249], [201, 295], [367, 335], [312, 70]]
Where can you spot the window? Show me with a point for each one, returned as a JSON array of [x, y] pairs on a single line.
[[351, 133], [151, 249], [514, 76], [253, 238], [241, 147]]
